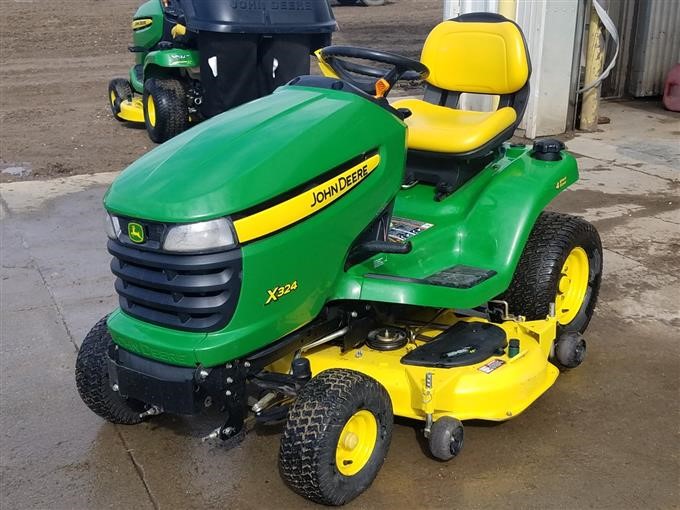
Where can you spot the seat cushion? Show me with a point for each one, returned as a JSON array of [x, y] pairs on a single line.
[[441, 129], [478, 57]]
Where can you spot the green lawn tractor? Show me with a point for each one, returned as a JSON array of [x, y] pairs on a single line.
[[324, 258], [195, 59]]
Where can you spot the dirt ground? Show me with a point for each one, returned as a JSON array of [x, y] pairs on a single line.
[[57, 59]]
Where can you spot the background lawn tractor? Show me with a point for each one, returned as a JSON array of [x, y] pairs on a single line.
[[334, 281], [195, 59]]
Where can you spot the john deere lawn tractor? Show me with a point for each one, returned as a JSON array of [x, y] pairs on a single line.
[[276, 268], [195, 59]]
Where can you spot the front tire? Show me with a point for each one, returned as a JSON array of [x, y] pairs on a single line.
[[570, 350], [166, 111], [446, 438], [119, 91], [337, 436], [561, 264], [92, 380]]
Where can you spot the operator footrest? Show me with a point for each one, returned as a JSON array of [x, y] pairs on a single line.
[[464, 343]]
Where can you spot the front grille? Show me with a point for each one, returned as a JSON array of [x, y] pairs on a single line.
[[187, 292]]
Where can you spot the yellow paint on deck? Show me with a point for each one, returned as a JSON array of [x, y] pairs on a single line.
[[462, 392], [132, 111]]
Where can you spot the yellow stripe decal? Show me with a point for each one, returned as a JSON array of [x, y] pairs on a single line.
[[299, 207], [141, 23]]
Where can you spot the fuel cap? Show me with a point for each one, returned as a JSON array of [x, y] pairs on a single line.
[[547, 149]]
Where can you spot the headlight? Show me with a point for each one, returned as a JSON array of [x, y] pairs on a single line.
[[112, 226], [206, 235]]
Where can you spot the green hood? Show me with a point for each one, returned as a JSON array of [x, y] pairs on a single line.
[[248, 155]]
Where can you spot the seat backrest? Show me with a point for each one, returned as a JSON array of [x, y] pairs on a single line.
[[480, 53]]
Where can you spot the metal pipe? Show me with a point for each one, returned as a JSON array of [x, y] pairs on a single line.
[[595, 55], [325, 339]]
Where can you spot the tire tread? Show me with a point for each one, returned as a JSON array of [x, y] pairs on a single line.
[[92, 379]]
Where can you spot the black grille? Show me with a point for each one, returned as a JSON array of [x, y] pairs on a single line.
[[187, 292]]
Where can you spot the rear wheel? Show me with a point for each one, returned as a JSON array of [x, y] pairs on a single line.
[[336, 437], [166, 112], [92, 380], [561, 264], [119, 91]]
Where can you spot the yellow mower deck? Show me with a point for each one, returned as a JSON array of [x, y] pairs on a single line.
[[132, 111], [496, 389]]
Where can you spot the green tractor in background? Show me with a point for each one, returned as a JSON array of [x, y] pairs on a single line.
[[194, 59], [323, 257]]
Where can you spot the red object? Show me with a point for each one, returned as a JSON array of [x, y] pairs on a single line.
[[671, 90]]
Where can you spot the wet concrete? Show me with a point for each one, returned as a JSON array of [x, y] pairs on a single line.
[[605, 436]]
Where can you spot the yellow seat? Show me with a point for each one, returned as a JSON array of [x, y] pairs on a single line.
[[480, 53], [441, 129]]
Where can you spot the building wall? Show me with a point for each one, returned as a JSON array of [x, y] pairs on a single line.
[[656, 46]]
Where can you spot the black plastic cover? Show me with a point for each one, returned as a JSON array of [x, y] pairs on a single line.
[[169, 387], [463, 344], [176, 390], [260, 16], [186, 292], [547, 149]]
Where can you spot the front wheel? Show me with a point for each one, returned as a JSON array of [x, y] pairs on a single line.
[[119, 91], [336, 437], [562, 264], [92, 380], [166, 112]]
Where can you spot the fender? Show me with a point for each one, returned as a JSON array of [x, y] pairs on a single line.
[[163, 59], [173, 58], [484, 225]]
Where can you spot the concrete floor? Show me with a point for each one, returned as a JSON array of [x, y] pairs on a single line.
[[605, 436]]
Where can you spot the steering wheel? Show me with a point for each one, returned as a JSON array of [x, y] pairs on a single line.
[[402, 68]]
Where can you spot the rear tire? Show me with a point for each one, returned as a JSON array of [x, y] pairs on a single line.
[[336, 437], [539, 279], [119, 91], [166, 111], [92, 380]]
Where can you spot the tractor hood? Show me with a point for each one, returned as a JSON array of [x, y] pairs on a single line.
[[251, 154]]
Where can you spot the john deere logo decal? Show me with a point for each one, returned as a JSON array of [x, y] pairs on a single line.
[[135, 232], [299, 207]]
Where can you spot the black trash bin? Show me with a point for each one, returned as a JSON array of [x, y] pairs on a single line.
[[249, 47]]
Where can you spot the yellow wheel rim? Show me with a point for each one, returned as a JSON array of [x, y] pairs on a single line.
[[151, 110], [573, 284], [356, 443], [112, 96]]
